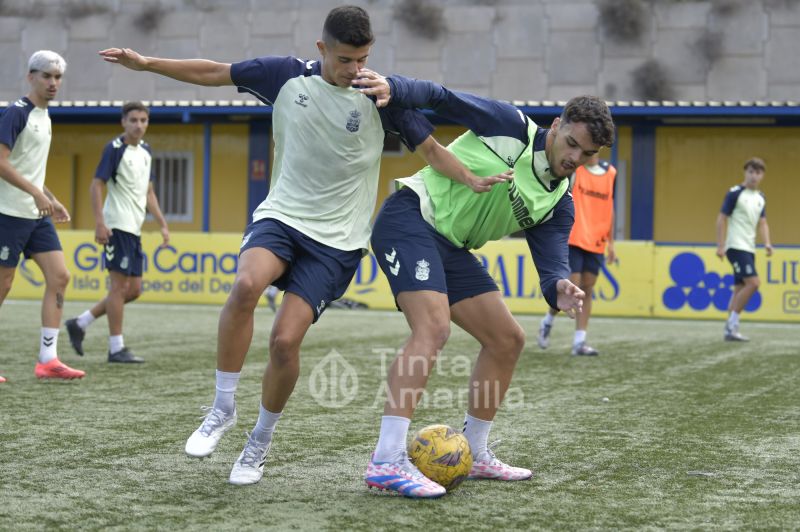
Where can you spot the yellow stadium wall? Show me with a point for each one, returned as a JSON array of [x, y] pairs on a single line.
[[695, 167], [76, 150], [647, 280]]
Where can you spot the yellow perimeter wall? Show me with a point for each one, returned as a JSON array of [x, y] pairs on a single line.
[[647, 280], [76, 150], [695, 167]]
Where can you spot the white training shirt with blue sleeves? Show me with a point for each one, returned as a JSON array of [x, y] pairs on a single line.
[[27, 131], [744, 208], [127, 171], [328, 146]]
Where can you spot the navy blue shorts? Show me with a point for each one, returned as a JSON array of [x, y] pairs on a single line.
[[415, 257], [123, 253], [743, 262], [317, 273], [581, 261], [25, 235]]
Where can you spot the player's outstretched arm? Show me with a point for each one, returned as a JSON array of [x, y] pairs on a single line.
[[447, 164], [196, 71]]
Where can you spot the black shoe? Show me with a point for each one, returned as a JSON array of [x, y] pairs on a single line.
[[125, 356], [76, 335]]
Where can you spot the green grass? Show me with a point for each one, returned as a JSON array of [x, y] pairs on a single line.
[[697, 433]]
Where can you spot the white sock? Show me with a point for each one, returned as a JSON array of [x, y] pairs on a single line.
[[580, 337], [85, 319], [548, 319], [392, 440], [272, 291], [48, 344], [733, 319], [265, 426], [115, 344], [477, 433], [226, 389]]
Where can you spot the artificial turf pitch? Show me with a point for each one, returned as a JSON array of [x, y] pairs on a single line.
[[695, 433]]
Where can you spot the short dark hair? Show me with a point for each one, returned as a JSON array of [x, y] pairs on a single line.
[[134, 106], [348, 25], [756, 163], [593, 112]]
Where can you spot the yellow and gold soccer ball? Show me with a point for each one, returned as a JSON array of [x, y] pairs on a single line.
[[442, 454]]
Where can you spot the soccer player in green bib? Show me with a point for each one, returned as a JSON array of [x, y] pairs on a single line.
[[424, 233], [309, 234]]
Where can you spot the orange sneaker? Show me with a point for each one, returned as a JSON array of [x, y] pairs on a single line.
[[55, 369]]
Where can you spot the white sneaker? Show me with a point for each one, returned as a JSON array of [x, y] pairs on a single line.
[[249, 467], [204, 440]]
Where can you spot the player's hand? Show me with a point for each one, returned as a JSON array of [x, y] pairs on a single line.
[[570, 297], [43, 204], [102, 234], [485, 184], [611, 256], [60, 213], [373, 84], [720, 252], [768, 247], [165, 237], [125, 57]]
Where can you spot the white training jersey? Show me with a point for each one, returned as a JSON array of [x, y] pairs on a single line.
[[27, 131], [127, 171], [328, 146], [744, 208]]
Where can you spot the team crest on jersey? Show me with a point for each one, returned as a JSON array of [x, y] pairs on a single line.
[[301, 99], [124, 263], [423, 271], [354, 121], [4, 253]]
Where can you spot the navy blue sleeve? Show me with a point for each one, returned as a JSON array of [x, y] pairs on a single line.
[[109, 161], [152, 166], [764, 210], [410, 125], [548, 243], [485, 117], [263, 77], [12, 123], [729, 203]]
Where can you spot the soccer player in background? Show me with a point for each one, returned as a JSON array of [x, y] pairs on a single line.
[[423, 236], [743, 210], [28, 209], [592, 190], [126, 170], [309, 234]]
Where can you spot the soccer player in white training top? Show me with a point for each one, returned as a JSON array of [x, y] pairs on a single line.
[[28, 209]]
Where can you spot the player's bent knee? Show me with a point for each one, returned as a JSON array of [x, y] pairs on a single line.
[[245, 293], [284, 350], [435, 333], [59, 280]]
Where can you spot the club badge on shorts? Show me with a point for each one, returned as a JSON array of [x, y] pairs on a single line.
[[423, 270]]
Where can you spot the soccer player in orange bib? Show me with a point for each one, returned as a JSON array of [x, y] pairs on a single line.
[[592, 235]]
